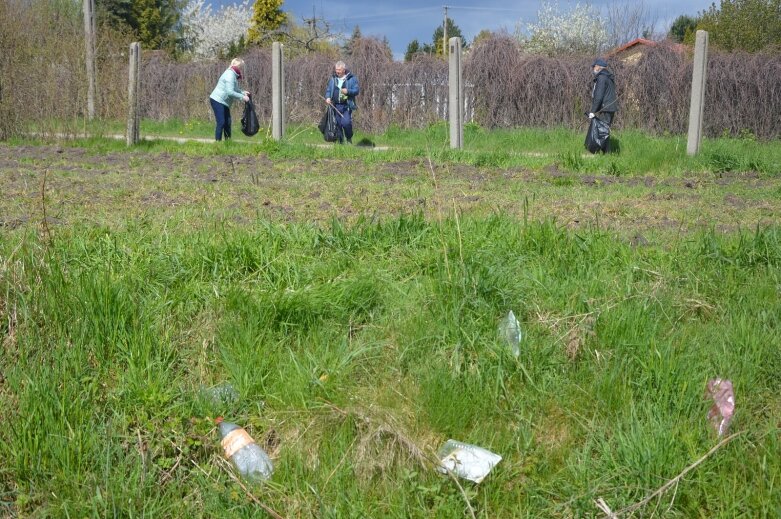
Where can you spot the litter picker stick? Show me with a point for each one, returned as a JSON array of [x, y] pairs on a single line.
[[332, 106]]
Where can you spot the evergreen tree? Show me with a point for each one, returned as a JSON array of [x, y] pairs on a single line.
[[682, 26], [452, 31], [350, 44], [267, 17], [117, 13], [413, 48]]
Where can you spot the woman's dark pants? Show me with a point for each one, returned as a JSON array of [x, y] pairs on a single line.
[[223, 116]]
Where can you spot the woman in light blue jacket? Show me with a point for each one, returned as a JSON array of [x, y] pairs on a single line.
[[222, 97]]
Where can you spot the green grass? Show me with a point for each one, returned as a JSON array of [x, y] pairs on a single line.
[[349, 344], [529, 148]]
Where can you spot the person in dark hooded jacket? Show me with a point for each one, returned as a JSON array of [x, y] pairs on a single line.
[[604, 102], [340, 93]]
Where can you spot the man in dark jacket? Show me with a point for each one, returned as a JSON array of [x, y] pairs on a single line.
[[604, 103], [340, 93]]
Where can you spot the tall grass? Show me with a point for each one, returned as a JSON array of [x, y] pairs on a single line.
[[355, 349]]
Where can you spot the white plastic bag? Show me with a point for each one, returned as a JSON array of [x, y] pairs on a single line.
[[466, 461]]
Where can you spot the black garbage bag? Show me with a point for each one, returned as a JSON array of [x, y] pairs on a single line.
[[249, 121], [598, 136], [328, 126]]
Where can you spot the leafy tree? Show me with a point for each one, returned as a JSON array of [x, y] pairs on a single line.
[[267, 19], [749, 25], [682, 26], [452, 31], [580, 30], [156, 23]]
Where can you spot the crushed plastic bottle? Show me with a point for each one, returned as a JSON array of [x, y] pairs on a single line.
[[250, 460], [723, 396], [510, 331], [221, 395]]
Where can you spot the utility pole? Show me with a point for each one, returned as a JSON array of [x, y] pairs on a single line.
[[444, 30]]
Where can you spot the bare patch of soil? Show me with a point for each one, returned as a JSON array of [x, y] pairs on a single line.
[[107, 188]]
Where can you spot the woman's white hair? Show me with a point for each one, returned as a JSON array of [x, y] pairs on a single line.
[[238, 63]]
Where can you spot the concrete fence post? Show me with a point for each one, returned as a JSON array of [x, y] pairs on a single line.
[[277, 91], [133, 94], [698, 93], [455, 106], [89, 55]]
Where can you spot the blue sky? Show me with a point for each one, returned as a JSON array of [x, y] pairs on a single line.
[[401, 21]]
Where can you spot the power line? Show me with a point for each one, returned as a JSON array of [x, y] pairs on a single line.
[[477, 8], [389, 14]]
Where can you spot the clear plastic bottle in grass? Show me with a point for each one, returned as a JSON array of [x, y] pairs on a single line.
[[510, 331], [250, 460]]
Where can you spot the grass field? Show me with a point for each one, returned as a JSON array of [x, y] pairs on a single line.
[[525, 148], [352, 297]]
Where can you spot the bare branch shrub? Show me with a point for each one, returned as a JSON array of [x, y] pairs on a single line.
[[371, 62], [654, 92], [12, 58], [743, 93], [419, 91], [509, 88], [43, 72], [42, 58]]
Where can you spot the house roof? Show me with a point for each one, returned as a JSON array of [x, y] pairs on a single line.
[[633, 43], [637, 42]]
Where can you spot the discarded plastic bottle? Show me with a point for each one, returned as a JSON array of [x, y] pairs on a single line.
[[510, 331], [221, 395], [250, 460]]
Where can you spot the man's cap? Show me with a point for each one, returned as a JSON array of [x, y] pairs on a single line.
[[599, 61]]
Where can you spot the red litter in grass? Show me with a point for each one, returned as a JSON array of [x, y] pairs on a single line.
[[720, 414]]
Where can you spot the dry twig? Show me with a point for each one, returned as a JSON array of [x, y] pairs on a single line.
[[602, 505], [45, 220], [228, 469]]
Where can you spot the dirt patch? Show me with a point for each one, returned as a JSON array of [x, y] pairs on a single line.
[[403, 169], [735, 201], [598, 180], [108, 188]]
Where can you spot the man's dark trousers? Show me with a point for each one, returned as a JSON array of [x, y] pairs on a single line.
[[344, 122]]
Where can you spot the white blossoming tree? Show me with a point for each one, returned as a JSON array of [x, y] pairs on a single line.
[[580, 30], [212, 34]]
